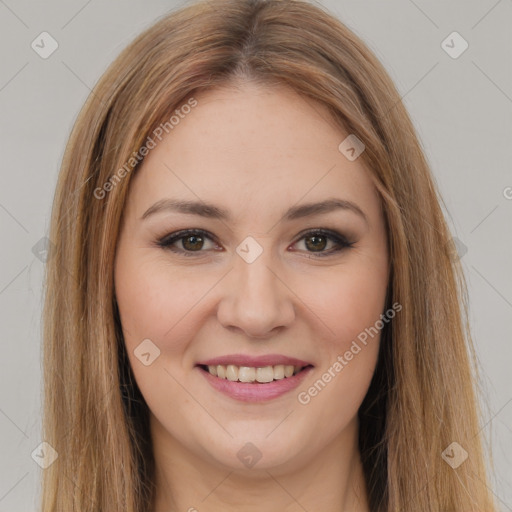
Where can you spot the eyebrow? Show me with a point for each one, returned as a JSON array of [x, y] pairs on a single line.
[[214, 212]]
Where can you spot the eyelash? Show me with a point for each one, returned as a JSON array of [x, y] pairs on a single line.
[[167, 241]]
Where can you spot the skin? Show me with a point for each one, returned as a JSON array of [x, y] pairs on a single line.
[[256, 151]]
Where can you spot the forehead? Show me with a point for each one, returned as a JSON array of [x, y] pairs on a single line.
[[253, 149]]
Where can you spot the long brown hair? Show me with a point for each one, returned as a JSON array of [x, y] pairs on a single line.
[[422, 397]]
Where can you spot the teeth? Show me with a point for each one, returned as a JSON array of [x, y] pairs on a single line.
[[265, 374], [279, 372], [252, 374], [246, 374], [231, 372], [288, 371]]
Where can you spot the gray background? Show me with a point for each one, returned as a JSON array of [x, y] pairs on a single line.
[[462, 109]]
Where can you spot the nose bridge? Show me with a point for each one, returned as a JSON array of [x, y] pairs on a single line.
[[256, 300], [255, 279]]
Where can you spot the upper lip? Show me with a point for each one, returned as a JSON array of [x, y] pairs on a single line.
[[254, 361]]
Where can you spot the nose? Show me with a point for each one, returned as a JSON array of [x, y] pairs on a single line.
[[256, 299]]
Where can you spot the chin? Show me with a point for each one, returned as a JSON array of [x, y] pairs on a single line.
[[258, 452]]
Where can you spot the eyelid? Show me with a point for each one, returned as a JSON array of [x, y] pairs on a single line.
[[181, 233], [323, 231]]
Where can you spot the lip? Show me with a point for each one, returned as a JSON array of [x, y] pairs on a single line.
[[254, 361], [255, 391]]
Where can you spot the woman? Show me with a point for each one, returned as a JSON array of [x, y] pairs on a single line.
[[253, 301]]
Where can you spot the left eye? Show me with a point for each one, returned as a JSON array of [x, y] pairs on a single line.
[[318, 240], [192, 241]]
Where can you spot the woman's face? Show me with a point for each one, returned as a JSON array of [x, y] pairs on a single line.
[[253, 286]]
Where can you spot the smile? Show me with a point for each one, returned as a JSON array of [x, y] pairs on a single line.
[[262, 375], [254, 379]]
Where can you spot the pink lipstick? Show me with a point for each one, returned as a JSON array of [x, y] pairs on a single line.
[[254, 378]]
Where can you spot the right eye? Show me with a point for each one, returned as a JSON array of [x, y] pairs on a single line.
[[192, 241]]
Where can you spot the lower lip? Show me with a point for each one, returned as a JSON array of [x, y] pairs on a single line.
[[255, 391]]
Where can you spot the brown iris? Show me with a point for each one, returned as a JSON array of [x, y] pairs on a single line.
[[316, 244], [197, 241]]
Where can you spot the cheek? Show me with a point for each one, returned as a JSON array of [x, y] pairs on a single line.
[[156, 303], [348, 301]]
